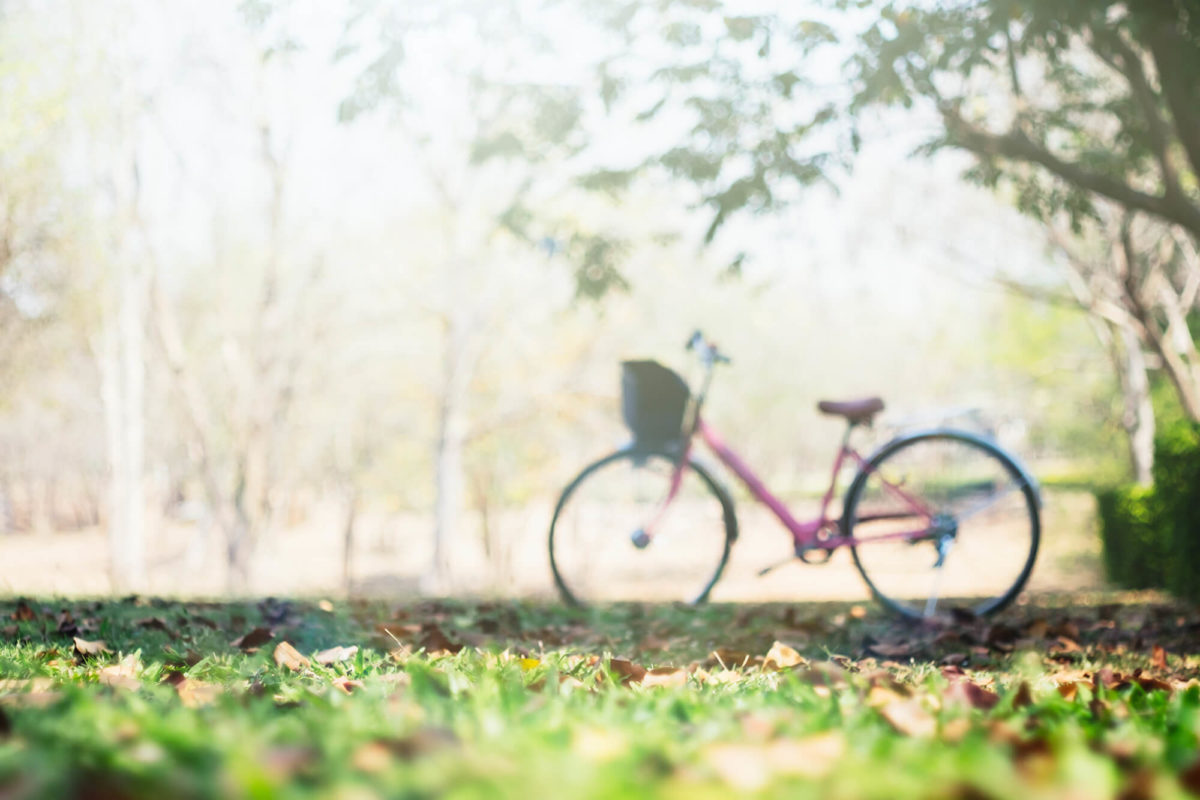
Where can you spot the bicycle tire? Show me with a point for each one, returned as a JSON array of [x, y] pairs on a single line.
[[986, 517], [592, 553]]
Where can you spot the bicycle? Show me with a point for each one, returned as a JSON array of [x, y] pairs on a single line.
[[940, 517]]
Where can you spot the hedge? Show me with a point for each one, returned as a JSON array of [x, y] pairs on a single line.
[[1151, 536]]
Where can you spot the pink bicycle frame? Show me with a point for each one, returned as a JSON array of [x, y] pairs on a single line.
[[805, 533]]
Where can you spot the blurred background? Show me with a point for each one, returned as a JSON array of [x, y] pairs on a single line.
[[316, 297]]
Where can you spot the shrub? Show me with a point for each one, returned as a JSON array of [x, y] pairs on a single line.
[[1151, 536], [1136, 542], [1177, 488]]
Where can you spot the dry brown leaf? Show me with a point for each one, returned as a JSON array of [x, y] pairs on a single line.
[[155, 624], [435, 641], [23, 612], [750, 767], [25, 685], [123, 674], [289, 657], [29, 699], [253, 639], [347, 685], [336, 655], [665, 676], [194, 693], [897, 650], [782, 656], [744, 767], [813, 756], [627, 671], [971, 694], [1159, 659], [879, 696], [909, 717], [86, 649], [1024, 696]]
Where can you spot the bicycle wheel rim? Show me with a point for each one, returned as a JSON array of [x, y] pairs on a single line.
[[593, 555], [985, 514]]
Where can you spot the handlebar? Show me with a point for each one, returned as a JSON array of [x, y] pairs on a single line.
[[709, 354]]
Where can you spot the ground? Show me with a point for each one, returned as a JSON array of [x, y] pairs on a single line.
[[1087, 695]]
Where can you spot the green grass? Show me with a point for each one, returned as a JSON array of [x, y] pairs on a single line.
[[1053, 700]]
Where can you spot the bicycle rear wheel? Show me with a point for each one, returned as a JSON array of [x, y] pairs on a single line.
[[594, 537], [977, 512]]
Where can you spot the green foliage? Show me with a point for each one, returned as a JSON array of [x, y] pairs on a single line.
[[1097, 125], [1136, 545], [172, 709], [1151, 535], [1177, 484]]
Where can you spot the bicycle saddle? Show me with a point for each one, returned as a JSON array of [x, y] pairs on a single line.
[[854, 411]]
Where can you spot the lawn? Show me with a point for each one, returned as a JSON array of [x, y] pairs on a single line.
[[1082, 697]]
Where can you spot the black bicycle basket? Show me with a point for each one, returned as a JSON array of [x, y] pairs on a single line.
[[653, 401]]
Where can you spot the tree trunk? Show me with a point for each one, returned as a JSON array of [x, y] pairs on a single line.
[[448, 454], [1138, 418], [350, 493], [123, 378]]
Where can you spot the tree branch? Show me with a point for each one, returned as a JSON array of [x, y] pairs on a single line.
[[1017, 146], [1129, 65], [1178, 84]]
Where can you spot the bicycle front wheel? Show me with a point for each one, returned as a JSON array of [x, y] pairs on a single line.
[[943, 520], [614, 537]]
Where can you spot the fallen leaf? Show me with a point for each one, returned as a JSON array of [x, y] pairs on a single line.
[[665, 676], [627, 671], [971, 694], [435, 641], [1159, 659], [898, 650], [123, 674], [813, 756], [347, 685], [289, 657], [253, 639], [66, 624], [194, 694], [782, 656], [85, 649], [909, 717], [750, 767], [1023, 697], [23, 612], [325, 606], [336, 655], [155, 624]]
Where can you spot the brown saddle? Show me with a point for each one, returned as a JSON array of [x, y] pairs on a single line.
[[855, 411]]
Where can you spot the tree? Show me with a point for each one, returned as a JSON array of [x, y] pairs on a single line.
[[466, 87], [1085, 112]]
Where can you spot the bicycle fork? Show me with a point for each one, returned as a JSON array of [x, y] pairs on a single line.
[[643, 536]]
